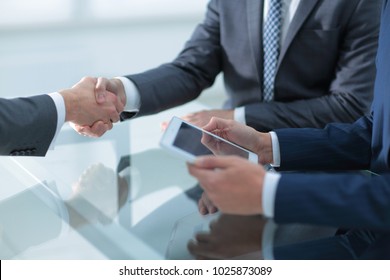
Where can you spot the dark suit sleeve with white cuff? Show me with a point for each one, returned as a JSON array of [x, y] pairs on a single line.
[[27, 125]]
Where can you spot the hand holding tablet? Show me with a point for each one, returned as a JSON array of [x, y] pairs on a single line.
[[188, 142]]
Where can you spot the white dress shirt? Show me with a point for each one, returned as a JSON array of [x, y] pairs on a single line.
[[271, 180], [61, 113]]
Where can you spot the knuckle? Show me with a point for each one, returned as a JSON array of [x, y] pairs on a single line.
[[86, 78], [214, 181]]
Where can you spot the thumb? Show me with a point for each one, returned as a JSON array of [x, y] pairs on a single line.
[[216, 124], [100, 90]]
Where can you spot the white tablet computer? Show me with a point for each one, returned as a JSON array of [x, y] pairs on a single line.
[[188, 142]]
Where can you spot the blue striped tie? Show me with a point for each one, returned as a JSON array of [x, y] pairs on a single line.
[[271, 41]]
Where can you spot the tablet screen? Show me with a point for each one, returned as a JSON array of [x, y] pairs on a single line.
[[198, 143]]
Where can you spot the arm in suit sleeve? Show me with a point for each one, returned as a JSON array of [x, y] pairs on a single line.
[[349, 200], [27, 125], [192, 71], [348, 94], [336, 147]]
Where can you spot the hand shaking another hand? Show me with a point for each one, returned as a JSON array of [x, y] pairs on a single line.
[[86, 115]]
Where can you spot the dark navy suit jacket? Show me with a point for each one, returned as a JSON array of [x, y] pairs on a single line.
[[343, 199]]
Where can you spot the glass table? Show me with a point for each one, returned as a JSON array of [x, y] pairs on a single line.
[[116, 197]]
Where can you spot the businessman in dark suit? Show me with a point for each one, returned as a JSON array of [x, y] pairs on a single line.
[[324, 71], [347, 200], [28, 125]]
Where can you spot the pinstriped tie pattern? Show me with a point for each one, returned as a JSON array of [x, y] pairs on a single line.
[[271, 41]]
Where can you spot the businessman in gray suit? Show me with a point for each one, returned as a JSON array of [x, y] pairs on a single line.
[[28, 125], [324, 70]]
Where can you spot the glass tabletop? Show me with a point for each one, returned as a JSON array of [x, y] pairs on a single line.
[[116, 197]]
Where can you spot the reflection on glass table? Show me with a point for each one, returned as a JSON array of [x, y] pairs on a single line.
[[217, 236], [92, 199], [254, 237], [122, 197], [222, 237], [38, 214]]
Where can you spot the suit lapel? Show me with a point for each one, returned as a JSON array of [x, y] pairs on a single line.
[[303, 11], [255, 23]]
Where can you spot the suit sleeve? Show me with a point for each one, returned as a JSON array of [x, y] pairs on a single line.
[[336, 147], [349, 200], [27, 125], [188, 75], [349, 94]]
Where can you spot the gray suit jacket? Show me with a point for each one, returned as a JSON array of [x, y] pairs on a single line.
[[27, 125], [325, 71]]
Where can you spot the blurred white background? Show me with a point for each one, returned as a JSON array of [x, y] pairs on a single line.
[[47, 45]]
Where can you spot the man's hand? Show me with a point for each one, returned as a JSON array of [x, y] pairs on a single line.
[[81, 106], [233, 184], [206, 206], [203, 117], [96, 130], [244, 136], [115, 86]]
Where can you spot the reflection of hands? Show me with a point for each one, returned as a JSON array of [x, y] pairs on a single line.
[[81, 106], [101, 189], [229, 237], [104, 90], [233, 184], [201, 118], [205, 205]]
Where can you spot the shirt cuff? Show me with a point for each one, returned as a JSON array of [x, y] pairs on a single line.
[[132, 94], [275, 149], [270, 185], [239, 115], [61, 112]]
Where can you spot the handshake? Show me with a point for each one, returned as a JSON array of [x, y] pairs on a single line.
[[93, 105]]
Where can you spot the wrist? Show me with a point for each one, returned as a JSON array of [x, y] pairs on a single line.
[[230, 114], [264, 148], [70, 100]]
